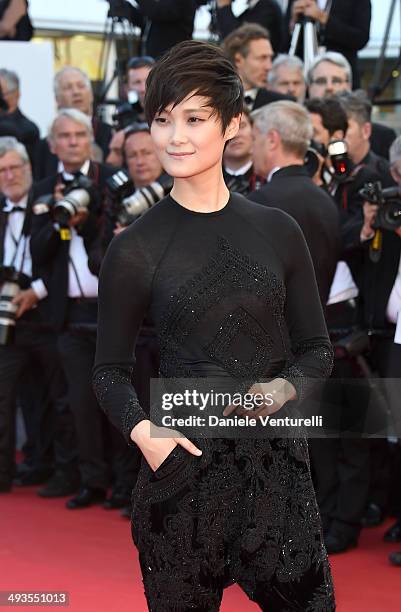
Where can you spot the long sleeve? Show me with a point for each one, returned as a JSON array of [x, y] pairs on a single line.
[[310, 344], [354, 35], [124, 294]]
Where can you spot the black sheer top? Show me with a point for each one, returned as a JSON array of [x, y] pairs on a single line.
[[231, 292]]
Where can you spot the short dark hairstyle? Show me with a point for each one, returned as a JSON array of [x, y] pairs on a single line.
[[140, 62], [238, 40], [198, 68], [331, 111], [356, 104]]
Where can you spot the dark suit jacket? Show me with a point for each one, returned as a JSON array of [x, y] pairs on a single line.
[[50, 254], [26, 131], [265, 96], [381, 139], [292, 190], [45, 162], [266, 13], [171, 22], [347, 30]]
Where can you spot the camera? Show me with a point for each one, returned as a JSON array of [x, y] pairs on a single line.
[[128, 206], [128, 112], [337, 150], [388, 200], [76, 198], [11, 283]]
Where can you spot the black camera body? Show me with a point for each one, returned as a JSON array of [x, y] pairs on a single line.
[[389, 202], [11, 283], [128, 203]]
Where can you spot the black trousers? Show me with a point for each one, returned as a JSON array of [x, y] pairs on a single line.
[[341, 464], [244, 512], [36, 346], [103, 456]]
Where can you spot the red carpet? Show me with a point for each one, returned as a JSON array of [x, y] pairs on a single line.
[[44, 547]]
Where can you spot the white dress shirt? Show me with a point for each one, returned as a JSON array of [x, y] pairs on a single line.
[[243, 170], [394, 302], [17, 251], [78, 255], [343, 287]]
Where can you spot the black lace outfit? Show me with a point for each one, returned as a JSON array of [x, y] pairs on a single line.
[[231, 293]]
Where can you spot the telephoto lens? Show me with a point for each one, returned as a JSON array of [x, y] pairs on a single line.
[[75, 201], [9, 288]]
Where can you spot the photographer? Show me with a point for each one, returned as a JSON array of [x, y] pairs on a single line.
[[131, 111], [144, 170], [282, 132], [331, 73], [163, 23], [64, 226], [25, 339], [266, 13], [381, 292], [343, 26]]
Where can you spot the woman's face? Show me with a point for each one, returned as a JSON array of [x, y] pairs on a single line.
[[189, 139]]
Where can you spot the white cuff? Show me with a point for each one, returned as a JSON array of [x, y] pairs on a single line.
[[39, 288]]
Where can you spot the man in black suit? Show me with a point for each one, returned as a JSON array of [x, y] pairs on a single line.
[[343, 26], [25, 339], [266, 13], [163, 23], [72, 89], [281, 137], [249, 49], [26, 131], [60, 251]]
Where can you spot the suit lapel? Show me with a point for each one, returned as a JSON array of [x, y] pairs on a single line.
[[3, 225]]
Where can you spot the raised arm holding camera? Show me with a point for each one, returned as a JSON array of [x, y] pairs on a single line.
[[67, 210]]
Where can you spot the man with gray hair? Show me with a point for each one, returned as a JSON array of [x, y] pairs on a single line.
[[60, 249], [24, 341], [282, 132], [287, 76], [72, 89], [23, 128], [331, 74]]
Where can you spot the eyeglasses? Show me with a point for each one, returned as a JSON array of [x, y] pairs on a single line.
[[15, 168], [324, 81]]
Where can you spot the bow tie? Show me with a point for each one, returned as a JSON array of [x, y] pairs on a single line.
[[69, 178], [16, 209], [249, 101]]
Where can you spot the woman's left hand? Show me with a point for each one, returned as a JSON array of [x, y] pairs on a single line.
[[268, 398]]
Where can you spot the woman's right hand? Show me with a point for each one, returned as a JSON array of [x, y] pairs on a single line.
[[156, 449]]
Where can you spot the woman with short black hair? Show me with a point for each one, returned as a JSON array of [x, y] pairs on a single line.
[[231, 289]]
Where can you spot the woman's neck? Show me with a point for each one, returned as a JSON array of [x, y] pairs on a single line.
[[206, 192]]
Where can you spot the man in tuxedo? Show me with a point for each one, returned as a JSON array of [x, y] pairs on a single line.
[[250, 50], [25, 130], [25, 338], [282, 132], [163, 23], [331, 73], [60, 251], [238, 168], [72, 89], [343, 26], [266, 13]]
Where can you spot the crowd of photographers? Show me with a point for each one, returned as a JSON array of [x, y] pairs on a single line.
[[307, 145]]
